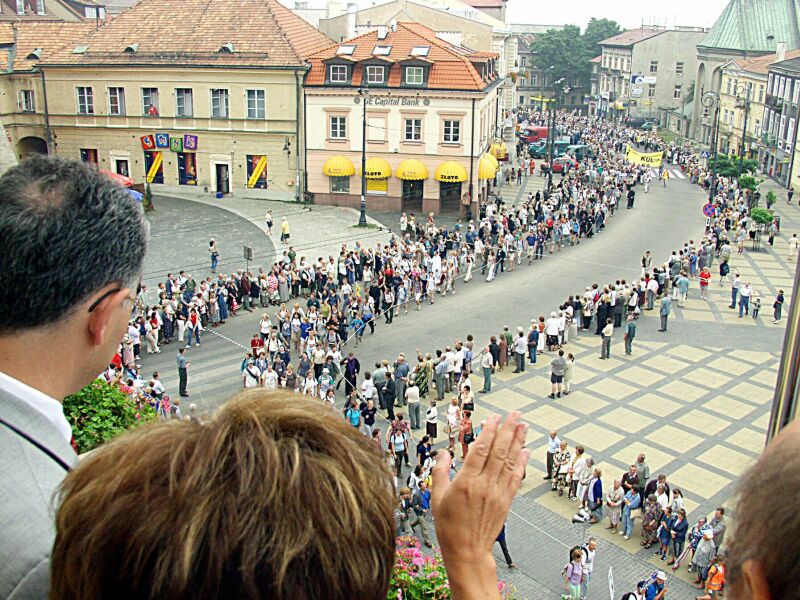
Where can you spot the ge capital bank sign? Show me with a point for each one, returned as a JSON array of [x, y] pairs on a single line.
[[389, 101]]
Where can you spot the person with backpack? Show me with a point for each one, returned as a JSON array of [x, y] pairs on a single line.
[[573, 575]]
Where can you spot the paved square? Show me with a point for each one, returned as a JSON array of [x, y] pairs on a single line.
[[729, 365], [748, 439], [727, 460], [689, 353], [682, 391], [611, 388], [653, 404], [656, 459], [752, 393], [697, 480], [640, 376], [538, 386], [581, 402], [709, 378], [627, 420], [675, 439], [728, 407], [505, 399], [594, 437], [702, 421], [665, 364], [549, 417]]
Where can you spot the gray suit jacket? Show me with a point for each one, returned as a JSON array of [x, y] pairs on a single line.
[[28, 479]]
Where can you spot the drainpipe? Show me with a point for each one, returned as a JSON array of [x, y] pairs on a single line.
[[471, 156], [48, 131], [297, 137], [305, 137]]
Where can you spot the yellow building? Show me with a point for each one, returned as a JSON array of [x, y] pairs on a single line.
[[429, 108], [205, 95], [739, 78]]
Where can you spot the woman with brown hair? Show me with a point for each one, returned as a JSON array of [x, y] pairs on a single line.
[[243, 509], [466, 435]]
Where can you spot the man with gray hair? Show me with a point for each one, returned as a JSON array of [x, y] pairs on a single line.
[[74, 243]]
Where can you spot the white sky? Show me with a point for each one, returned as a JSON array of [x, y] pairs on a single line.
[[628, 13]]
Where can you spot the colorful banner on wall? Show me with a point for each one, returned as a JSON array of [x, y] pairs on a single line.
[[153, 170], [258, 170], [148, 142], [190, 142], [176, 144], [649, 159], [162, 140]]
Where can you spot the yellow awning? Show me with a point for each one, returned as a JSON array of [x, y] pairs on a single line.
[[411, 170], [498, 150], [491, 159], [338, 166], [486, 169], [450, 171], [377, 168]]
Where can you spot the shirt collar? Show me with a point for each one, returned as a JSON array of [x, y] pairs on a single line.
[[49, 407]]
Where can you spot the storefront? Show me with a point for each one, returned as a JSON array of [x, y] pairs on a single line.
[[450, 176], [377, 172], [487, 170], [413, 174], [339, 170]]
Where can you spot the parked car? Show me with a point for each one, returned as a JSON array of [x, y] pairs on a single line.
[[558, 164]]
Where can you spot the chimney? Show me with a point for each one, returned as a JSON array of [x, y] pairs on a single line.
[[382, 32], [780, 52], [393, 25]]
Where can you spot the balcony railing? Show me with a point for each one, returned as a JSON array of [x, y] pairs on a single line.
[[774, 102]]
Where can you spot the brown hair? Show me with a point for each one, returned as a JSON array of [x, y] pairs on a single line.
[[272, 498]]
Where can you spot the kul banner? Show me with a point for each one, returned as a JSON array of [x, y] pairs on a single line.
[[162, 140], [148, 142], [650, 159], [176, 144], [189, 142]]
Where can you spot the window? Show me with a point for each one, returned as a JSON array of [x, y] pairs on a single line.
[[534, 79], [654, 66], [20, 7], [338, 128], [116, 101], [219, 104], [341, 185], [790, 134], [414, 75], [382, 50], [796, 93], [150, 102], [184, 105], [257, 171], [413, 130], [89, 155], [377, 187], [420, 50], [757, 127], [452, 129], [651, 90], [256, 104], [375, 74], [25, 101], [676, 94], [761, 93], [346, 49], [338, 74], [678, 68], [187, 168], [85, 101], [40, 7], [376, 129]]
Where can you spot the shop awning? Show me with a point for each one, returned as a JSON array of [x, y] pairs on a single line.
[[411, 170], [498, 150], [377, 168], [450, 172], [338, 166], [491, 158], [486, 168]]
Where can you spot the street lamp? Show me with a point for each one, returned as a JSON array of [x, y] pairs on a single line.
[[711, 100], [552, 129], [362, 217], [746, 89]]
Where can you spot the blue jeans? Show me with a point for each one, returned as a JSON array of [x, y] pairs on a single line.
[[532, 354], [487, 379], [585, 584], [627, 522], [214, 261], [744, 304], [196, 331], [734, 293]]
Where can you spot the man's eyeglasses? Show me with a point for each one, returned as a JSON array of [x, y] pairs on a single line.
[[111, 292]]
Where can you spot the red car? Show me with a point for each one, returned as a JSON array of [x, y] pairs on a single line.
[[558, 164]]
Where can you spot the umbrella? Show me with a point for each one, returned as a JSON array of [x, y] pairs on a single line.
[[136, 195], [120, 179]]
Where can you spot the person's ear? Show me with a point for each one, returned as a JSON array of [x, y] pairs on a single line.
[[754, 581], [104, 314]]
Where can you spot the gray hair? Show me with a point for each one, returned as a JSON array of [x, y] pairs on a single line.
[[67, 231]]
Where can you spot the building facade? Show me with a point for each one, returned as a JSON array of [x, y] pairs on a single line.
[[781, 118], [429, 109], [217, 108], [648, 70]]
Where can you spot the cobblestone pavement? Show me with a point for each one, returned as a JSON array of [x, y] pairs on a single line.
[[695, 399]]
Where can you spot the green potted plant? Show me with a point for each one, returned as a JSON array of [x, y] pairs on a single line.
[[762, 217], [148, 198], [101, 411], [771, 198]]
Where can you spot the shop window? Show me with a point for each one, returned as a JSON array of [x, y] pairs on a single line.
[[153, 166], [377, 187], [187, 168], [257, 171], [341, 185], [89, 155]]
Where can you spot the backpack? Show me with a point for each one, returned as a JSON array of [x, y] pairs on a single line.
[[583, 550]]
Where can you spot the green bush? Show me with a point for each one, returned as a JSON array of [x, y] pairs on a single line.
[[771, 198], [101, 411], [748, 182], [761, 216]]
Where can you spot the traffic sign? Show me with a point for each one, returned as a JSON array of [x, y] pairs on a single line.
[[708, 210], [704, 154]]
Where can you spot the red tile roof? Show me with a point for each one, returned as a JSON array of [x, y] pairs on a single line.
[[451, 66], [630, 37], [597, 59], [47, 36], [761, 64], [191, 32]]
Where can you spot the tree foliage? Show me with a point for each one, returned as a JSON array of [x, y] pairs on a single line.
[[761, 216], [728, 166], [101, 411], [567, 53]]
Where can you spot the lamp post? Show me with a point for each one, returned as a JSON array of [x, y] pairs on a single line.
[[711, 100], [553, 105], [741, 88], [362, 217]]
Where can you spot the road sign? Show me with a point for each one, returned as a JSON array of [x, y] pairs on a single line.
[[611, 582], [708, 210], [704, 154]]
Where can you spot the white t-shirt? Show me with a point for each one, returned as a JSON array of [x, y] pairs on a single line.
[[271, 380], [367, 389], [251, 376]]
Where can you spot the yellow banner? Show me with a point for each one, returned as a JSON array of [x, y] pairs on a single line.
[[650, 159], [151, 174], [260, 166]]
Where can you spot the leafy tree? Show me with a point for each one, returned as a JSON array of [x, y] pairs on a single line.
[[727, 166], [101, 411], [598, 30], [761, 216]]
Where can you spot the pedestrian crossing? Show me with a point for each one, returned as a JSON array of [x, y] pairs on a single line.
[[674, 173]]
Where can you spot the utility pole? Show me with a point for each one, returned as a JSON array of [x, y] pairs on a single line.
[[709, 100], [362, 217], [747, 90]]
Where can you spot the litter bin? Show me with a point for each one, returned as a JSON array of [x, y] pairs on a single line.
[[777, 222]]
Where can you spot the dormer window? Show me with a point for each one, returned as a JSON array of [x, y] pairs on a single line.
[[338, 74], [414, 76], [346, 50], [381, 50], [131, 49], [226, 48], [20, 7], [40, 7], [375, 74], [420, 51]]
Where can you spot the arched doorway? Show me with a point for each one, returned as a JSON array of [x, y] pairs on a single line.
[[29, 146]]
